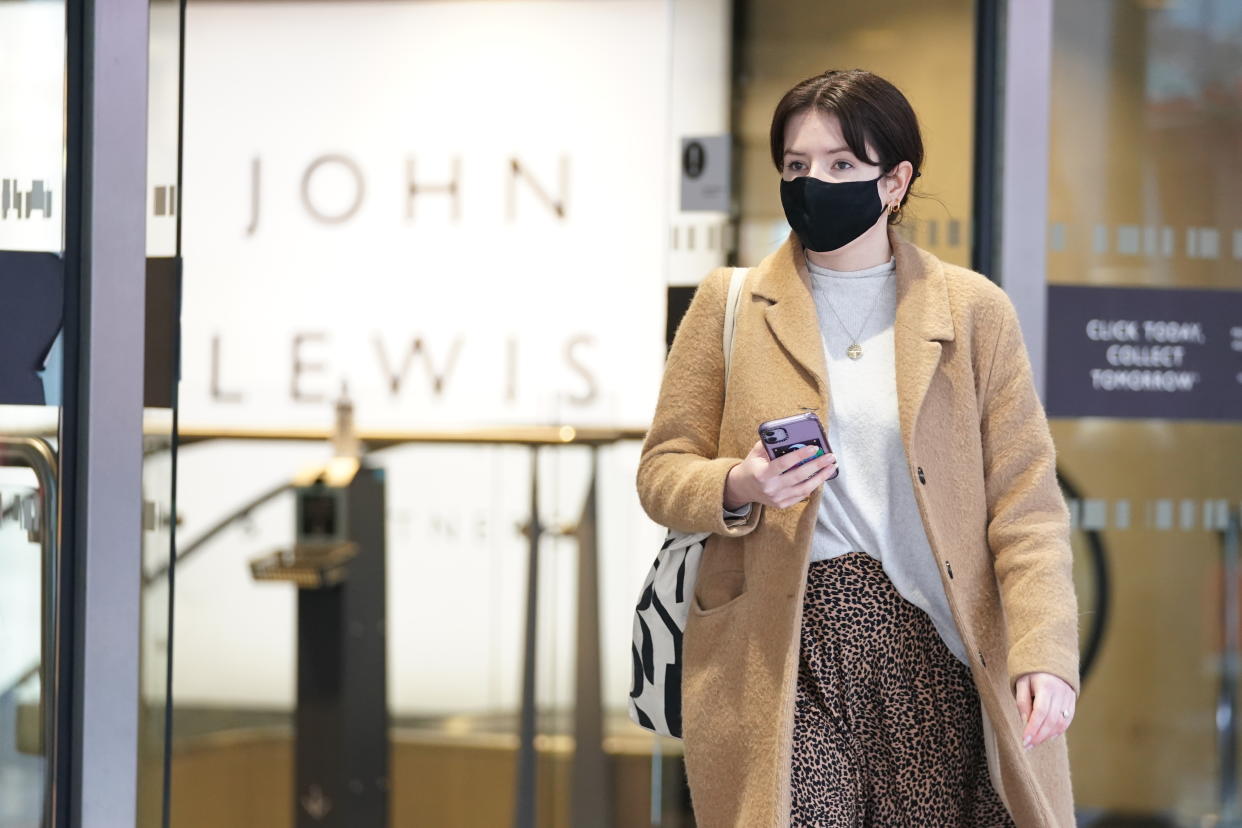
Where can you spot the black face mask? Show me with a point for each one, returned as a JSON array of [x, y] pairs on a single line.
[[829, 216]]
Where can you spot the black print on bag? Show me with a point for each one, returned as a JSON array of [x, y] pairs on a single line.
[[659, 625]]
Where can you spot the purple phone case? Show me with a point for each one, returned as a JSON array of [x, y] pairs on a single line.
[[800, 430]]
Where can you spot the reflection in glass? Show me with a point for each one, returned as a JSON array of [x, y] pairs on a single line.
[[1144, 182]]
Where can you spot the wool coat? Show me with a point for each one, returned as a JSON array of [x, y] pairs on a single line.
[[982, 466]]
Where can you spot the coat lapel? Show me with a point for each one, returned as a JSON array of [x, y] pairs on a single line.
[[785, 282], [924, 320]]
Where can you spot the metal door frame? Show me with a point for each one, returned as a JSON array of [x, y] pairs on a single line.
[[1013, 106], [94, 757]]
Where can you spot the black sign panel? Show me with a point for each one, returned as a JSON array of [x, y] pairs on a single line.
[[31, 298], [31, 306], [162, 328], [1144, 352]]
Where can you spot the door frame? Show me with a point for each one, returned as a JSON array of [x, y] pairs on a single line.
[[93, 760]]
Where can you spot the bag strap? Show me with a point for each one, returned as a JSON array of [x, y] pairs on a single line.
[[730, 323]]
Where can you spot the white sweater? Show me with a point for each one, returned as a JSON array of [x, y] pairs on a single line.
[[870, 506]]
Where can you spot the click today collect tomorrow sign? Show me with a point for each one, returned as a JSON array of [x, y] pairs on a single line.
[[462, 230], [1144, 352]]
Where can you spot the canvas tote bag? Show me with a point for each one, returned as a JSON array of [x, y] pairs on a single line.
[[664, 604]]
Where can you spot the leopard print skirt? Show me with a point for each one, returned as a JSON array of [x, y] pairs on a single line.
[[887, 728]]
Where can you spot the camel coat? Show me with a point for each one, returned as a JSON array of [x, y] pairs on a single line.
[[982, 465]]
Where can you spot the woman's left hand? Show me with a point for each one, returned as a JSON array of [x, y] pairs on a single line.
[[1047, 706]]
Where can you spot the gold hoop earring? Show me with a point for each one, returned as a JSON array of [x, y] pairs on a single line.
[[894, 208]]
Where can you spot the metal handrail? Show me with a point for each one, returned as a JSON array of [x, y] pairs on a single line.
[[38, 455], [377, 439], [161, 572]]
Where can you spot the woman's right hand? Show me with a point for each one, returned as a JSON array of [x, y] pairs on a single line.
[[760, 480]]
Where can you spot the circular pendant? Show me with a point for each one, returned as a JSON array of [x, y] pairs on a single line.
[[854, 351]]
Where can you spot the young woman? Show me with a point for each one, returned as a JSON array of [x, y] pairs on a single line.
[[885, 635]]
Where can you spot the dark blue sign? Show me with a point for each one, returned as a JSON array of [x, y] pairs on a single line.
[[1144, 352], [32, 291]]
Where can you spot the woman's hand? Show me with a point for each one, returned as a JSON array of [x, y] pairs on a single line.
[[1047, 706], [759, 480]]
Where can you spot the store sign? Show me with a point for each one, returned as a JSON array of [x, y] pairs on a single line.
[[1141, 352], [456, 229]]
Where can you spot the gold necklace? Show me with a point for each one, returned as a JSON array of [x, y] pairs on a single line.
[[855, 350]]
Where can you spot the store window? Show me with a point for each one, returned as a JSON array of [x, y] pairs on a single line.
[[406, 222], [1144, 238]]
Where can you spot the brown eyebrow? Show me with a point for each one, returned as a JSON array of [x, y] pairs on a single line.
[[832, 151]]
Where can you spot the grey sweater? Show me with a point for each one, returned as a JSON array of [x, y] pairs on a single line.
[[870, 506]]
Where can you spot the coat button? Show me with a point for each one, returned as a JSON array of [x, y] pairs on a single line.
[[949, 567], [922, 478]]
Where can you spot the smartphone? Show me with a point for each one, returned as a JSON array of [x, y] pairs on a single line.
[[792, 433]]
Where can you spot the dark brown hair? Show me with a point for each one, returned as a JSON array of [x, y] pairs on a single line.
[[871, 111]]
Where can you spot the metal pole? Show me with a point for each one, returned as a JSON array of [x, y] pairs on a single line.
[[1027, 84], [1226, 703], [101, 448], [989, 66], [524, 801], [590, 799], [657, 782]]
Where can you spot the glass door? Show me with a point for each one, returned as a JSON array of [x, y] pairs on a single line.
[[32, 152], [1144, 382]]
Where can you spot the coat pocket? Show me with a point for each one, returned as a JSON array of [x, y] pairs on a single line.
[[718, 590]]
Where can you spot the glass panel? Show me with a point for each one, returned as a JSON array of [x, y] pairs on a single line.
[[325, 254], [157, 529], [926, 49], [32, 150], [1145, 172], [162, 348], [235, 644]]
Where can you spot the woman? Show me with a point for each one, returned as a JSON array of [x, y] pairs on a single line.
[[896, 643]]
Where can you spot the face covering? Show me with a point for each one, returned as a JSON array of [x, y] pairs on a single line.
[[829, 216]]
